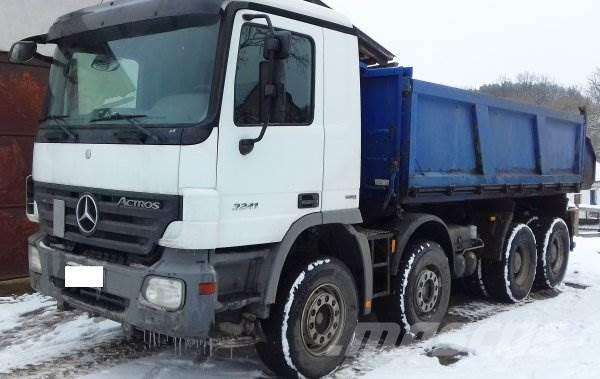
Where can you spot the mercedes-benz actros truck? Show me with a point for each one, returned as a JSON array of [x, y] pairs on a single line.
[[264, 169]]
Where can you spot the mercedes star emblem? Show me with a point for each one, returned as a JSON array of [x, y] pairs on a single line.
[[87, 214]]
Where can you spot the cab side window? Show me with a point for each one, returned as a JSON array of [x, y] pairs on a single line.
[[298, 73]]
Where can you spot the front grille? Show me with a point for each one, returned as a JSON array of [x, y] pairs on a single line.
[[127, 230]]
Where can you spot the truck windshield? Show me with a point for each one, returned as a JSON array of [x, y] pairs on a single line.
[[161, 74]]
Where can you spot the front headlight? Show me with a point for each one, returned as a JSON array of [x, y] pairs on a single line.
[[165, 293], [35, 264]]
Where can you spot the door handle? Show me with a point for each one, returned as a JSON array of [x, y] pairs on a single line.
[[308, 200]]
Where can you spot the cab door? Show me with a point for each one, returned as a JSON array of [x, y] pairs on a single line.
[[264, 192]]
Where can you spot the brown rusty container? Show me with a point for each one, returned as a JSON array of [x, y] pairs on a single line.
[[22, 93]]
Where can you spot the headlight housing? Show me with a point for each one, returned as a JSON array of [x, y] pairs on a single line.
[[165, 293], [35, 263]]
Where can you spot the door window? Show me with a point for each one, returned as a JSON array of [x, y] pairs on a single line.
[[298, 73]]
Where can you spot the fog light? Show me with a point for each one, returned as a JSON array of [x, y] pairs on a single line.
[[165, 293], [35, 264]]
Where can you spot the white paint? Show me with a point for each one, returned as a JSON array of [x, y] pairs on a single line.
[[198, 164], [134, 168], [307, 9], [556, 221], [342, 121], [286, 163], [511, 239], [84, 276], [199, 228]]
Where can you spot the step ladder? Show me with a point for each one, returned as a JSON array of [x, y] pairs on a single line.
[[382, 246]]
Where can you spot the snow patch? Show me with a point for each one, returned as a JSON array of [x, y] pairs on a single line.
[[528, 340], [32, 331], [532, 220], [407, 271]]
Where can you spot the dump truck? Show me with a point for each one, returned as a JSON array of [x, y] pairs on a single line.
[[263, 169]]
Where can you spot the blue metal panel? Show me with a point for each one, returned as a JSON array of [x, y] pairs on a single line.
[[435, 143]]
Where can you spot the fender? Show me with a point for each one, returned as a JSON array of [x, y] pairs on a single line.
[[347, 218], [405, 229]]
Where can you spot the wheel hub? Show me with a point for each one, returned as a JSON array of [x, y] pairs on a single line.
[[517, 262], [322, 319], [428, 291]]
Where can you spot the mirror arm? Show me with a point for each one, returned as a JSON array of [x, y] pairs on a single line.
[[251, 17], [246, 146]]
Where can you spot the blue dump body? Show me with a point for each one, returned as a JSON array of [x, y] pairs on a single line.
[[427, 143]]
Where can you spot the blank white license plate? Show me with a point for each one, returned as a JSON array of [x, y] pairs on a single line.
[[84, 276]]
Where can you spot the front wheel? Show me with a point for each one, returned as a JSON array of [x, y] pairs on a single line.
[[312, 322]]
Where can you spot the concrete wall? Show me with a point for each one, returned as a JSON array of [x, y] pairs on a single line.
[[24, 18]]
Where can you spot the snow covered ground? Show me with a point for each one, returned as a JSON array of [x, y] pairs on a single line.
[[551, 335]]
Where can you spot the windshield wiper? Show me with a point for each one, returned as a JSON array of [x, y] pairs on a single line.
[[133, 121], [61, 119]]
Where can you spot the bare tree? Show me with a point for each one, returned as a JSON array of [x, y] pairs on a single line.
[[594, 86]]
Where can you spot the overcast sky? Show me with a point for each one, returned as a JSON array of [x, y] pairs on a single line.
[[458, 42], [471, 42]]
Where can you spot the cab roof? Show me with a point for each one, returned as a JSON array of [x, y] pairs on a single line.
[[117, 12]]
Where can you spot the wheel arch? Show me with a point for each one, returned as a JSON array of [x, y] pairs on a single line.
[[352, 248], [419, 225]]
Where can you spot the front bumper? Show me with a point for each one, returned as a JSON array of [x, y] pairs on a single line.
[[121, 299]]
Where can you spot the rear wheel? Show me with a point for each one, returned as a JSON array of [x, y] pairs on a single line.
[[511, 279], [312, 322], [422, 288], [553, 247]]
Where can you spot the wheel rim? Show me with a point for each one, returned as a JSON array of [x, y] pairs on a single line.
[[428, 291], [323, 319], [555, 256]]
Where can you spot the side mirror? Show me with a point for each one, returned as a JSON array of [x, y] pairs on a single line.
[[277, 46], [276, 50], [285, 43], [22, 52]]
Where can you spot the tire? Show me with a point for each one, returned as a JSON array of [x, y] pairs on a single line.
[[422, 288], [553, 248], [473, 285], [511, 279], [319, 300]]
